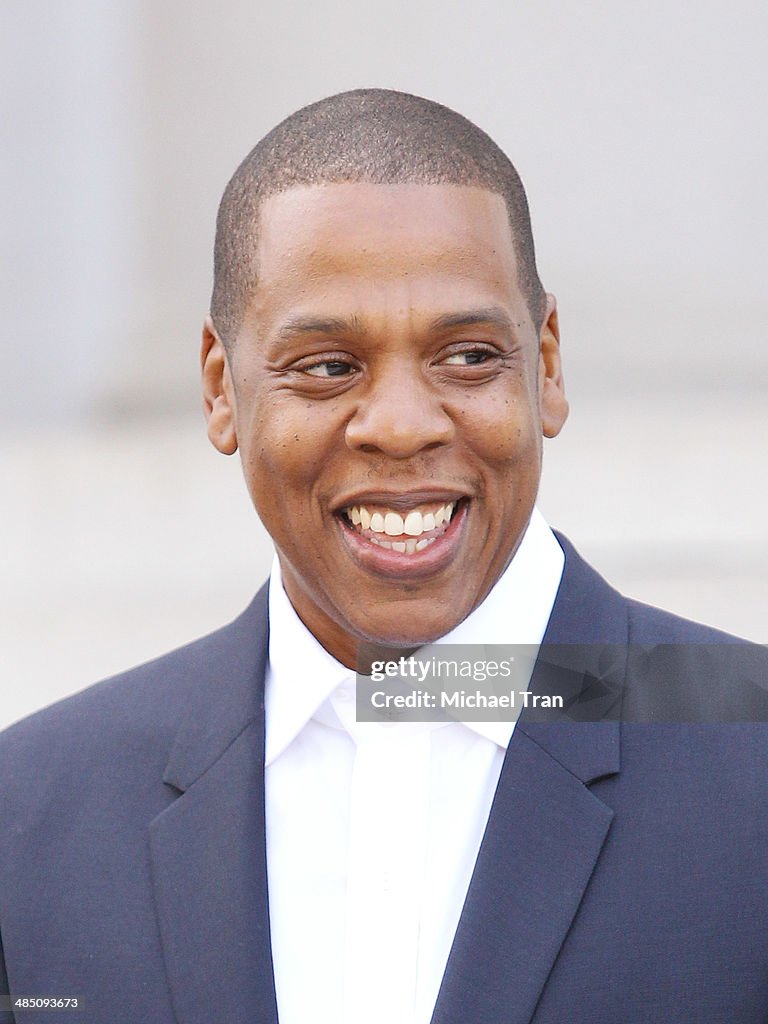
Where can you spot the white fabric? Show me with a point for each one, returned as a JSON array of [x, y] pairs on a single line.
[[373, 829]]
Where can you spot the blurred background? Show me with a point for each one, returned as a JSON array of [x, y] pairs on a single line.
[[641, 133]]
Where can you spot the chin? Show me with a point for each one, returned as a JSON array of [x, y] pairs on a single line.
[[405, 634]]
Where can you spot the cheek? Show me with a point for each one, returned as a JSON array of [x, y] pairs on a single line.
[[504, 430], [284, 445]]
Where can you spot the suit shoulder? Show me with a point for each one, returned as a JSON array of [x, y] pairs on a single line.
[[146, 691], [139, 708], [648, 624], [589, 609]]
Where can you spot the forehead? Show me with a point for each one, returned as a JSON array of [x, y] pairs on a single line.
[[392, 240], [356, 210]]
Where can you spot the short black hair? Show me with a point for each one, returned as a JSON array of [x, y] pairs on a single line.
[[378, 136]]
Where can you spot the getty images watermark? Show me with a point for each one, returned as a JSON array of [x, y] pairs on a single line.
[[450, 682], [444, 670], [694, 682]]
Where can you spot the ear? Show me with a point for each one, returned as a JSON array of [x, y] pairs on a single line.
[[218, 393], [552, 400]]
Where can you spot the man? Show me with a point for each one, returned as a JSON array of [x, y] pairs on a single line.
[[214, 836]]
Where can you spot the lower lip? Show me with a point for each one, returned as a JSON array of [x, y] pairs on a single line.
[[399, 565]]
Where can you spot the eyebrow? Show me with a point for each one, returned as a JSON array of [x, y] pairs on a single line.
[[318, 325], [489, 315], [341, 325]]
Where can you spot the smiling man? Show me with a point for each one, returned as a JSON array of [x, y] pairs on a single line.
[[215, 836]]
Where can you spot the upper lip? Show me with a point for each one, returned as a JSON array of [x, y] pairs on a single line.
[[405, 499]]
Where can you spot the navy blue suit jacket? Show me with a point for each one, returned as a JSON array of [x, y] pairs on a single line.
[[623, 875]]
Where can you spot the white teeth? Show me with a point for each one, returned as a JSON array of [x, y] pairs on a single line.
[[408, 547], [393, 524], [444, 513], [414, 524]]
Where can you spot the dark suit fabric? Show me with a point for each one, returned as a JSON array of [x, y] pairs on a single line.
[[623, 876]]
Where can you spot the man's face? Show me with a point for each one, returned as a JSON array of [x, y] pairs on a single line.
[[388, 392]]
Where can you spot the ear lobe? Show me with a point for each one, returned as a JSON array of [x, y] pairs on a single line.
[[553, 403], [218, 393], [554, 410]]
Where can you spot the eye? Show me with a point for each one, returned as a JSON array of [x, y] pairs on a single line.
[[469, 357], [330, 368]]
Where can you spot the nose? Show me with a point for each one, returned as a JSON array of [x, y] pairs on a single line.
[[400, 415]]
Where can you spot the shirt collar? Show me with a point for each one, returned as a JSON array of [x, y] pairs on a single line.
[[517, 608], [302, 675]]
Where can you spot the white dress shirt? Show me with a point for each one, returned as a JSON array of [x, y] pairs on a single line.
[[373, 829]]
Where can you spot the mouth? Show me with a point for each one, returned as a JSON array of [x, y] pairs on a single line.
[[404, 536], [405, 532]]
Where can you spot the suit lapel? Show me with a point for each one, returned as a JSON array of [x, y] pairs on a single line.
[[544, 834], [208, 847]]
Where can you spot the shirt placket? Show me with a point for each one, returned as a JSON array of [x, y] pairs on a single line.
[[389, 813]]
